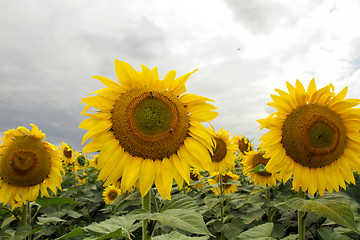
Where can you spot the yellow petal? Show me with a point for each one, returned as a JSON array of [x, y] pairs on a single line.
[[98, 142], [169, 77], [131, 173], [178, 86], [101, 127], [99, 102], [203, 116], [167, 177], [300, 93], [147, 176], [190, 98], [114, 166], [183, 169], [177, 176], [126, 74], [110, 83], [107, 152], [158, 179]]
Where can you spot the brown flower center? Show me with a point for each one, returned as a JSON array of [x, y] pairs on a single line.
[[225, 179], [259, 159], [150, 124], [67, 153], [112, 195], [243, 147], [220, 151], [314, 136], [25, 162]]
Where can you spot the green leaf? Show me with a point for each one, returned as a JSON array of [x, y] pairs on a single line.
[[139, 214], [45, 202], [45, 220], [77, 232], [211, 201], [291, 237], [259, 168], [121, 232], [190, 220], [260, 232], [327, 234], [7, 221], [178, 236], [218, 225], [113, 227], [233, 228], [335, 210], [22, 232], [180, 201]]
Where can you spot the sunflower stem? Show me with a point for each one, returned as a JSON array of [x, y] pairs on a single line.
[[23, 218], [301, 220], [270, 214], [146, 206], [221, 204]]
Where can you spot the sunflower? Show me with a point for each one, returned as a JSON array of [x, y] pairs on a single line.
[[244, 145], [147, 129], [314, 137], [195, 176], [67, 154], [110, 194], [251, 161], [227, 187], [93, 162], [223, 156], [28, 165], [81, 178]]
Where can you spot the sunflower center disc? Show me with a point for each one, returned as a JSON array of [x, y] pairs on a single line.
[[67, 153], [225, 179], [150, 124], [220, 151], [259, 159], [314, 136], [193, 176], [25, 162], [243, 147], [112, 195]]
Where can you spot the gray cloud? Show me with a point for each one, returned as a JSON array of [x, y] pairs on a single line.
[[51, 50]]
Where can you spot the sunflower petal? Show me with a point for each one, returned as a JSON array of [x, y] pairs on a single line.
[[147, 176]]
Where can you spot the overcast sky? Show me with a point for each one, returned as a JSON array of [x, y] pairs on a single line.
[[49, 50]]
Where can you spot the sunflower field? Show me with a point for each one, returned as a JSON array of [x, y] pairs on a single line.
[[152, 166]]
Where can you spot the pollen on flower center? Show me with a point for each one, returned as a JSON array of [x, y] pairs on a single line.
[[314, 136], [25, 162], [149, 123]]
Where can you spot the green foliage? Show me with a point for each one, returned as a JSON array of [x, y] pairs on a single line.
[[334, 209], [253, 212]]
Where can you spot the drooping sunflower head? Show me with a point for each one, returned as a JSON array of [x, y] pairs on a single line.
[[314, 137], [223, 155], [251, 161], [196, 176], [67, 154], [110, 194], [244, 145], [227, 186], [28, 165], [147, 130]]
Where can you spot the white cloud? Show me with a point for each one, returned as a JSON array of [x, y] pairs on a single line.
[[52, 49]]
